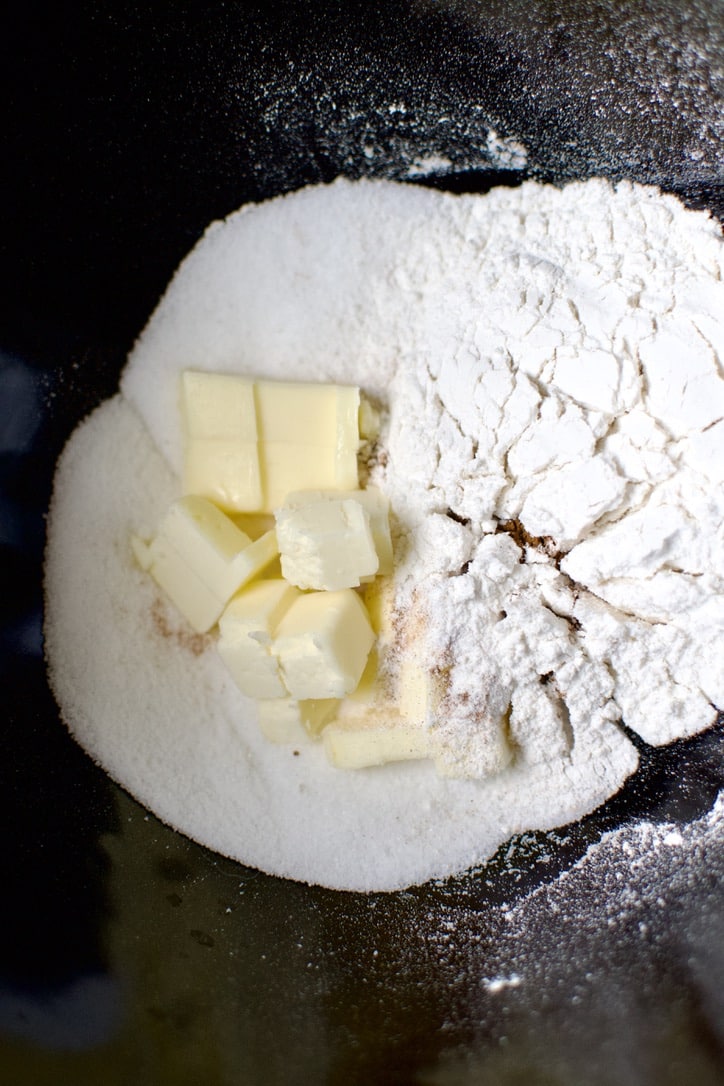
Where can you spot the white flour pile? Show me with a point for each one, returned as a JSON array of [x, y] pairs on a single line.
[[550, 362]]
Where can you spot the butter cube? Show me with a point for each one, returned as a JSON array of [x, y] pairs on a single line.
[[372, 728], [221, 451], [326, 545], [258, 556], [215, 406], [371, 740], [246, 629], [418, 691], [379, 598], [285, 720], [309, 436], [372, 500], [194, 599], [248, 443], [256, 525], [253, 524], [200, 559], [322, 644], [370, 691], [370, 422], [308, 413]]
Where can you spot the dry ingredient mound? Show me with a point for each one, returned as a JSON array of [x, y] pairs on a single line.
[[549, 365]]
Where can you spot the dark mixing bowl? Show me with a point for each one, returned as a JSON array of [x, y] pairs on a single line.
[[130, 954]]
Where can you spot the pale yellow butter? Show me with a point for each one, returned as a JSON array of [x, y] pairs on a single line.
[[326, 545], [221, 450], [228, 472], [369, 729], [248, 443], [199, 605], [309, 413], [370, 422], [374, 726], [374, 739], [258, 556], [388, 717], [218, 406], [322, 644], [285, 720], [372, 500], [253, 524], [200, 559], [309, 436], [418, 694], [246, 629], [288, 467], [379, 598]]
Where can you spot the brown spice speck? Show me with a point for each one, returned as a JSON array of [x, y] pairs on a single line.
[[195, 643], [524, 539]]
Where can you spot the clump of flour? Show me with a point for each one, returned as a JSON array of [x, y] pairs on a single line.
[[550, 365]]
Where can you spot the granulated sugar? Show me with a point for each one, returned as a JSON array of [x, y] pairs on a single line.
[[549, 367]]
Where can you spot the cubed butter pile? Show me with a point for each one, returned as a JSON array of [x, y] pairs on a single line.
[[201, 558], [250, 443], [293, 630]]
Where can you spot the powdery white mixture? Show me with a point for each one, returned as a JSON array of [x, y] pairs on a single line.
[[550, 362]]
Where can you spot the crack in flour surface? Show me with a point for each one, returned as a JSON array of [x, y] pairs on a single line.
[[549, 365]]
